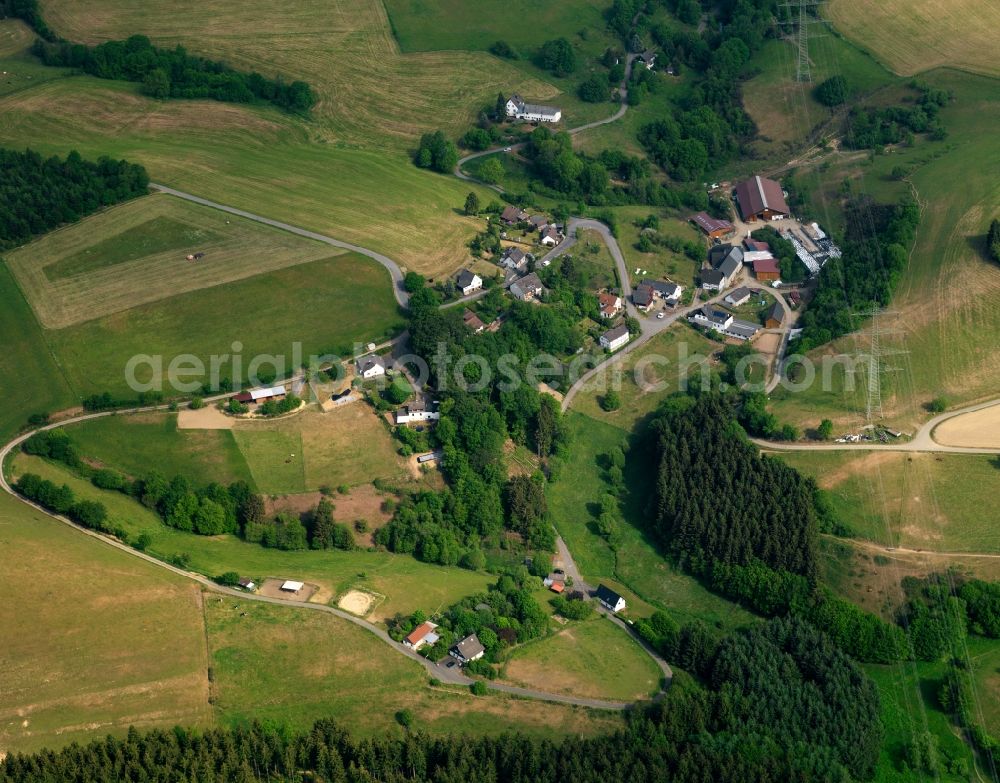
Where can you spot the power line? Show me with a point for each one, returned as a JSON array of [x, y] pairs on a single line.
[[800, 11], [876, 353]]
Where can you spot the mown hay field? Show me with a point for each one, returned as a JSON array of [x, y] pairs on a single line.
[[930, 502], [370, 94], [912, 36], [136, 254], [365, 191], [325, 306], [94, 640]]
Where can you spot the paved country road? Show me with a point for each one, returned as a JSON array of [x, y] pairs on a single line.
[[451, 676], [923, 440]]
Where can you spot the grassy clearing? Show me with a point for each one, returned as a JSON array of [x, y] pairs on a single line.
[[275, 458], [984, 655], [85, 631], [949, 297], [407, 583], [305, 665], [908, 694], [916, 501], [594, 658], [325, 449], [912, 36], [784, 110], [315, 305], [661, 263], [33, 380], [678, 346], [137, 443], [636, 566], [135, 254]]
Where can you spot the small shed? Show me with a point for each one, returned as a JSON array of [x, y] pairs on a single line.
[[290, 586]]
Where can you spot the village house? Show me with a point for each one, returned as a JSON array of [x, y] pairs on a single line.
[[738, 296], [527, 288], [766, 269], [760, 198], [775, 316], [551, 236], [421, 635], [642, 297], [532, 112], [467, 650], [512, 215], [467, 282], [668, 292], [713, 280], [473, 321], [611, 304], [416, 411], [609, 599], [713, 227], [722, 321], [613, 339], [647, 58], [371, 366], [538, 222], [514, 258]]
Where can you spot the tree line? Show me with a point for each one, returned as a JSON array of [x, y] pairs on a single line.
[[174, 73], [775, 704], [746, 524], [38, 194], [875, 253], [209, 510]]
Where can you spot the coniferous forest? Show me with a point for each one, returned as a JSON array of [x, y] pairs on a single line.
[[783, 705], [37, 194], [717, 498]]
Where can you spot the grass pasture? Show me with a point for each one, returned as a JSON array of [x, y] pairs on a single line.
[[312, 449], [684, 352], [315, 304], [86, 629], [305, 665], [912, 36], [255, 159], [661, 262], [595, 659], [136, 443], [33, 380], [931, 502], [635, 566], [407, 583], [784, 110], [134, 254]]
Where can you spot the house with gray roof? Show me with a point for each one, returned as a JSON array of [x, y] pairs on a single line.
[[467, 650], [527, 288]]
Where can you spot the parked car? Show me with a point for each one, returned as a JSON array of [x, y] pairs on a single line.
[[659, 315]]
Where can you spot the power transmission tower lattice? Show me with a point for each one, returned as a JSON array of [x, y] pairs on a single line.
[[877, 352], [799, 11]]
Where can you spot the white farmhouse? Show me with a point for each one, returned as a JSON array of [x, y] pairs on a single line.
[[371, 367], [613, 339], [532, 112], [468, 282]]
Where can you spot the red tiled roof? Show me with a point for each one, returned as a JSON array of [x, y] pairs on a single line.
[[765, 265], [760, 193], [419, 633]]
